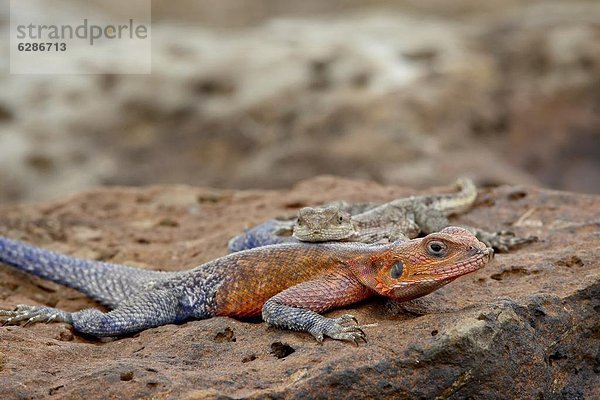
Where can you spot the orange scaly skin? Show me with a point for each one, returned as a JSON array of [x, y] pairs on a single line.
[[289, 284], [295, 282]]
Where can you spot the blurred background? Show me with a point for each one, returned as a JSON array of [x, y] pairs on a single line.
[[264, 93]]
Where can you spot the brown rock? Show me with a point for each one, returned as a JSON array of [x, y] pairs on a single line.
[[524, 327]]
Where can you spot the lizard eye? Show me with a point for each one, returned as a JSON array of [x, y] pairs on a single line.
[[341, 219], [436, 249], [397, 269], [298, 222]]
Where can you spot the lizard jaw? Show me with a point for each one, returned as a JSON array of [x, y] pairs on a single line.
[[424, 283], [383, 289]]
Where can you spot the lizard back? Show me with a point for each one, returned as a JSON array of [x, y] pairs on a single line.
[[248, 278]]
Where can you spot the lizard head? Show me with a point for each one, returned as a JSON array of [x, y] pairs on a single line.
[[321, 224], [415, 268]]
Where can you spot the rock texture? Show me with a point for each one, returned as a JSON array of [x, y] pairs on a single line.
[[527, 326]]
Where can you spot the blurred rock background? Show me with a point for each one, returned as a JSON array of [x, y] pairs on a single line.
[[265, 93]]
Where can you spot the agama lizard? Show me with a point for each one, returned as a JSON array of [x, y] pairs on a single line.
[[289, 284], [400, 219], [276, 231]]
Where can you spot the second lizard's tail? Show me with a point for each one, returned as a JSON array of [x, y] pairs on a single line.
[[107, 283], [458, 202]]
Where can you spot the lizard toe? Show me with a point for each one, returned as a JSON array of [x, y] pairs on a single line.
[[20, 308], [335, 329], [41, 318], [319, 337], [351, 334], [15, 319], [346, 318], [33, 314]]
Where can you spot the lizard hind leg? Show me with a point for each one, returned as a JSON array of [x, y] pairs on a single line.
[[146, 310]]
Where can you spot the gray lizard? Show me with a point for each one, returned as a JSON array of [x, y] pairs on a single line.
[[400, 219]]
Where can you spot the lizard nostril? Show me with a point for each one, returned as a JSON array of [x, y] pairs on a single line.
[[471, 250]]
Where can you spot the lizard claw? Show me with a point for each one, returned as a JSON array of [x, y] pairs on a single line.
[[334, 328], [346, 318], [33, 314], [363, 338], [349, 333], [14, 314]]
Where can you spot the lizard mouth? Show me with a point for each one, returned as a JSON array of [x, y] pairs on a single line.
[[329, 236]]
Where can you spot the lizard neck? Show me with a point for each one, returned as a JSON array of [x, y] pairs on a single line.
[[367, 266]]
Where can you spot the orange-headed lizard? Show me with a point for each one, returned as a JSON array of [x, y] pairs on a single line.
[[289, 284]]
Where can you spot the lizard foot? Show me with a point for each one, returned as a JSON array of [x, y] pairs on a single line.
[[503, 241], [337, 328], [32, 314]]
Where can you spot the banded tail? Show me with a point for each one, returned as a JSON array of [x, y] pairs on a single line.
[[110, 284], [458, 202]]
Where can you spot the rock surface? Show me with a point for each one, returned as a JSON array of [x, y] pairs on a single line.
[[527, 326]]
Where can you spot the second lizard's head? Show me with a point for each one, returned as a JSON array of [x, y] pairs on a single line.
[[415, 268], [321, 224]]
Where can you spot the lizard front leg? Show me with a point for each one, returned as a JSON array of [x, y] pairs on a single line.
[[297, 307]]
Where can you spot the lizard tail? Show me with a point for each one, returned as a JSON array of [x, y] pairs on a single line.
[[107, 283], [459, 202]]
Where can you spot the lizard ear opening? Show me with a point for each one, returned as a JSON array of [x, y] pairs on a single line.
[[397, 270]]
